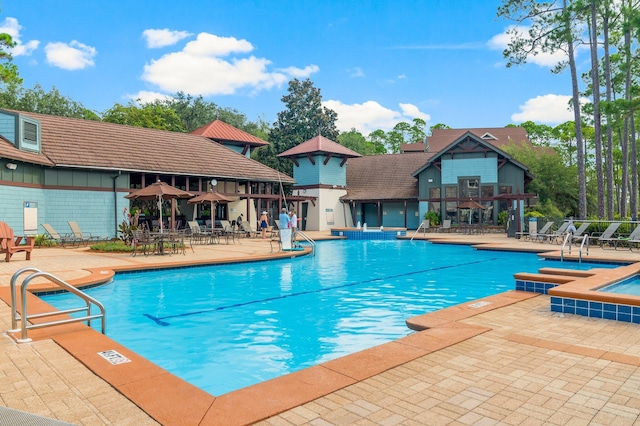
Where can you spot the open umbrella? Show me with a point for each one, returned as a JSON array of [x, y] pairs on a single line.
[[213, 198], [159, 191], [470, 205]]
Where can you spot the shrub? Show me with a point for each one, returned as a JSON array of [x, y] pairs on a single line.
[[117, 246], [433, 217]]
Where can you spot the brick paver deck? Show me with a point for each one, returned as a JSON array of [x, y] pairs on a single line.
[[526, 365]]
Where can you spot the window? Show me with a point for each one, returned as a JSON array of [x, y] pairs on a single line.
[[487, 191], [29, 137], [450, 192], [469, 187], [434, 193], [505, 189]]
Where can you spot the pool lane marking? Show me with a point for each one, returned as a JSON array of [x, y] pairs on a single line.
[[160, 320]]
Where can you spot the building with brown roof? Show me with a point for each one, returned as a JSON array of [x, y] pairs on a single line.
[[73, 169], [453, 168], [320, 171], [225, 134]]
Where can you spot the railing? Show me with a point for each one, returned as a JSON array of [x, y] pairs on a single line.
[[309, 240], [569, 239], [23, 317], [585, 241], [424, 225]]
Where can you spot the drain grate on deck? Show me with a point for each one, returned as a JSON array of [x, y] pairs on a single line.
[[13, 417]]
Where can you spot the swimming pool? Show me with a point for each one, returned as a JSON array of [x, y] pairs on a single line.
[[228, 326], [629, 286]]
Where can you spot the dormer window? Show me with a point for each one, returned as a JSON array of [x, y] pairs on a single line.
[[29, 134], [489, 136]]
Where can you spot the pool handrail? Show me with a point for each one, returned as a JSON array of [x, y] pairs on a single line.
[[23, 317], [307, 239], [568, 238]]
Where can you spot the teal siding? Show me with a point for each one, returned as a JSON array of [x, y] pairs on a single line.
[[393, 214], [93, 210], [319, 173], [486, 168], [8, 127]]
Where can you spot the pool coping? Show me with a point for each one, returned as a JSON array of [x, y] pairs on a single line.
[[182, 403]]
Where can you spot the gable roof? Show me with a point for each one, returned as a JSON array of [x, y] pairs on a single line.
[[220, 131], [496, 136], [468, 134], [384, 177], [86, 144], [319, 145]]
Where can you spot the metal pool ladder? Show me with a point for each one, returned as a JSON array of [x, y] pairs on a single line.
[[569, 239], [309, 240], [24, 317]]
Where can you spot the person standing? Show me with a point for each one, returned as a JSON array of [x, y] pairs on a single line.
[[285, 221], [293, 220], [264, 224]]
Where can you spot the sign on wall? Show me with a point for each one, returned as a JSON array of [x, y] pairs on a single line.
[[30, 218]]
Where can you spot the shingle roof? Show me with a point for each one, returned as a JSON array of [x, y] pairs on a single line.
[[384, 177], [441, 138], [223, 132], [319, 145], [71, 142]]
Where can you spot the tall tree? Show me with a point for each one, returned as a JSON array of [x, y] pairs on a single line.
[[303, 118], [14, 96], [550, 30], [595, 85], [8, 70], [401, 133], [355, 141], [152, 116]]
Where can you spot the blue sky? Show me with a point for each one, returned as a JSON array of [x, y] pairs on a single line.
[[376, 62]]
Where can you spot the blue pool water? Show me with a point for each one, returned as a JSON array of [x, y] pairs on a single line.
[[229, 326], [629, 286]]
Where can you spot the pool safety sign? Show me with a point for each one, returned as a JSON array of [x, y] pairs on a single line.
[[114, 357]]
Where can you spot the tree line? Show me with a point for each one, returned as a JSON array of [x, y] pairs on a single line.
[[586, 167], [606, 154]]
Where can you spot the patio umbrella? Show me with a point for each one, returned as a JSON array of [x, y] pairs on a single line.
[[470, 205], [214, 198], [159, 191]]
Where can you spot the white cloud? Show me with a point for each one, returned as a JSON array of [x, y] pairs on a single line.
[[355, 72], [145, 97], [301, 72], [164, 37], [546, 109], [410, 110], [199, 68], [12, 27], [370, 115], [543, 59], [72, 56]]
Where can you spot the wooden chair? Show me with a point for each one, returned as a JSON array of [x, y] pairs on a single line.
[[10, 244]]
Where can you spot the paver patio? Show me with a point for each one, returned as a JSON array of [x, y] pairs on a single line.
[[525, 365]]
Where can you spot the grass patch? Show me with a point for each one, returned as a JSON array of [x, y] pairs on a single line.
[[112, 247]]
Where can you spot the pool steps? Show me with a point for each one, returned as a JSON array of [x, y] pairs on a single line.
[[576, 292]]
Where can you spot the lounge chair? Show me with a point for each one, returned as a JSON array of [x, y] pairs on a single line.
[[82, 237], [607, 236], [446, 225], [629, 240], [529, 235], [248, 230], [556, 236], [53, 235], [10, 244], [578, 235], [538, 235]]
